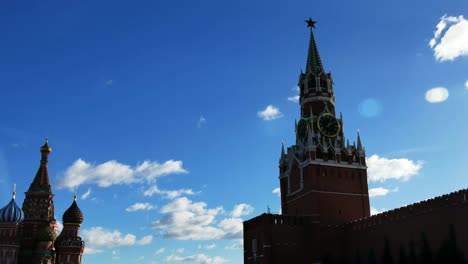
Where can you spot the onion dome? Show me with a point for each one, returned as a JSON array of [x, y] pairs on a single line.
[[45, 148], [11, 213], [46, 234], [73, 214]]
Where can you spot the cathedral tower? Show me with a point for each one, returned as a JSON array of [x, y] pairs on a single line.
[[322, 175], [10, 218], [37, 230], [69, 245]]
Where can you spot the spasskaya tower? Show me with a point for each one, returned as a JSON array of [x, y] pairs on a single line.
[[322, 175]]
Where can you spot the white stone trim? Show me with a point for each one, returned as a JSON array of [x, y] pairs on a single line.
[[327, 192]]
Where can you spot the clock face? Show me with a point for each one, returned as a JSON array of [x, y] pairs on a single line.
[[302, 129], [328, 125]]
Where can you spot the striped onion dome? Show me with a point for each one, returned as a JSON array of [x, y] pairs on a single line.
[[11, 213]]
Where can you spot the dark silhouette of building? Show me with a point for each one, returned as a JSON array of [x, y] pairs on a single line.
[[29, 235], [325, 202]]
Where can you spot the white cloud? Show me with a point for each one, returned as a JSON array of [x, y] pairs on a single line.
[[382, 169], [97, 237], [270, 113], [437, 95], [85, 195], [241, 210], [180, 250], [380, 191], [277, 191], [140, 207], [109, 82], [201, 121], [113, 172], [236, 246], [450, 39], [160, 251], [186, 220], [90, 251], [294, 98], [199, 258], [466, 84], [374, 211], [210, 246], [169, 194], [58, 227]]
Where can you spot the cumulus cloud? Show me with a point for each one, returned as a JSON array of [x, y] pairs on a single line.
[[270, 113], [380, 191], [437, 95], [140, 207], [450, 40], [236, 246], [241, 210], [185, 219], [210, 246], [169, 194], [90, 251], [374, 211], [113, 172], [381, 169], [97, 237], [160, 251], [294, 99], [277, 191], [199, 258], [85, 195]]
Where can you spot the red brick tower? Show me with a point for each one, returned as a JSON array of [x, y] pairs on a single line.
[[323, 180], [69, 245], [38, 207], [322, 175]]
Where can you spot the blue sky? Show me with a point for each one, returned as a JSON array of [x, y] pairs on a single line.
[[169, 116]]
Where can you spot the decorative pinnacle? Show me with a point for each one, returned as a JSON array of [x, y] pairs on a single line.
[[14, 191], [310, 23], [74, 193], [282, 150], [359, 144]]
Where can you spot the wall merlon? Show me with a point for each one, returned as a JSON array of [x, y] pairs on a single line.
[[448, 200]]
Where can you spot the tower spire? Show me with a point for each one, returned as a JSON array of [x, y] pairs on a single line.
[[359, 143], [314, 63], [41, 181]]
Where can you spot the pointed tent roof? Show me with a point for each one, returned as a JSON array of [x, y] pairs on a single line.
[[41, 181], [314, 63]]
